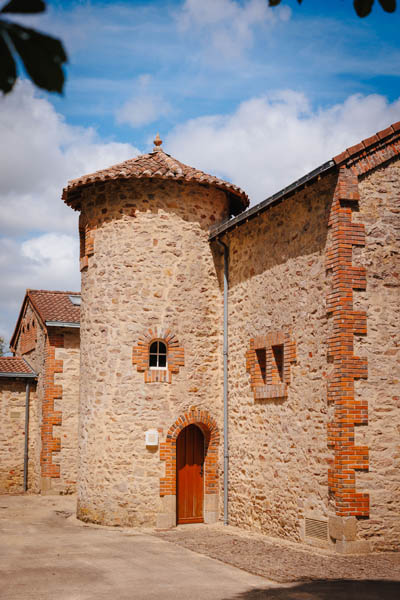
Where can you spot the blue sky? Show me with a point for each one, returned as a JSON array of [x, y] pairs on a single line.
[[321, 49], [256, 95]]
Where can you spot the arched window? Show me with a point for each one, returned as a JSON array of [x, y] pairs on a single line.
[[158, 355]]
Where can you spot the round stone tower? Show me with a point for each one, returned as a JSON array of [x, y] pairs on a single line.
[[151, 404]]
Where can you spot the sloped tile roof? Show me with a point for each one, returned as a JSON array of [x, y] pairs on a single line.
[[55, 306], [15, 365], [155, 165], [367, 143], [363, 157]]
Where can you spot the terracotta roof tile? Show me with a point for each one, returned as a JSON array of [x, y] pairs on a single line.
[[14, 365], [155, 165], [353, 150], [55, 306]]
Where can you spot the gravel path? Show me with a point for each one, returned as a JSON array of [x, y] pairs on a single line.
[[282, 561]]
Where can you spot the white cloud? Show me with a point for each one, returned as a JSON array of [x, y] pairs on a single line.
[[49, 261], [269, 142], [146, 105], [54, 260], [39, 153], [228, 26]]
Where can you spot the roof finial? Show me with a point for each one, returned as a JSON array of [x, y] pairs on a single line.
[[157, 143]]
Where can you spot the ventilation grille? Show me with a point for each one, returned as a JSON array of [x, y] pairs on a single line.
[[316, 529]]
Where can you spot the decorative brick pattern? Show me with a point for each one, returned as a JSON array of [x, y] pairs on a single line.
[[208, 426], [347, 322], [51, 417], [28, 334], [268, 362], [175, 356], [86, 242]]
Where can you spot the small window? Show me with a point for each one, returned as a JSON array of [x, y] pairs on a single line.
[[158, 355], [262, 363], [278, 356], [75, 300]]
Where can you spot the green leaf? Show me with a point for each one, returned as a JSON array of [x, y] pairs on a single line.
[[363, 7], [42, 56], [24, 6], [8, 72], [388, 5]]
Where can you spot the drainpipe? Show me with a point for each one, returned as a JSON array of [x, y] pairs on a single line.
[[225, 352], [28, 386]]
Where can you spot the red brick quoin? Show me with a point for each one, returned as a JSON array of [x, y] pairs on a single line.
[[208, 426], [175, 356], [268, 362], [347, 322], [51, 417], [86, 241]]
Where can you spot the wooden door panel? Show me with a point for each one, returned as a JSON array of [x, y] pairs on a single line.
[[189, 475]]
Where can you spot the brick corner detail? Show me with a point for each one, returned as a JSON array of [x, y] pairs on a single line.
[[347, 322]]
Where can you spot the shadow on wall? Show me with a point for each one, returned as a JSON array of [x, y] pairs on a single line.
[[341, 589], [295, 228]]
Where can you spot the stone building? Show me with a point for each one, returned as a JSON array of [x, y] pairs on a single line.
[[46, 337], [237, 363]]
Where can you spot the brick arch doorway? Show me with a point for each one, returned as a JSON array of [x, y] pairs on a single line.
[[168, 452], [190, 475]]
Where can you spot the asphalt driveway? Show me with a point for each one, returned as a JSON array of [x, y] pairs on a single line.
[[46, 554]]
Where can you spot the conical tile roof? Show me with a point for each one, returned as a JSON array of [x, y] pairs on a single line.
[[155, 165]]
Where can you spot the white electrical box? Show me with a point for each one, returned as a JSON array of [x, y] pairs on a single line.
[[152, 437]]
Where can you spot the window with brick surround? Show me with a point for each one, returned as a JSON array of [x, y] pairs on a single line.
[[268, 362], [158, 355]]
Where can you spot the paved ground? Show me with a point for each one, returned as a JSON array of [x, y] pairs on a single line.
[[284, 561], [47, 554]]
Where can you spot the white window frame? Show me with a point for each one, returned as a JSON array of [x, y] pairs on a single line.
[[157, 354]]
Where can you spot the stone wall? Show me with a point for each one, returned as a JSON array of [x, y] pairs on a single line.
[[277, 439], [380, 212], [12, 433], [36, 358], [53, 424], [151, 268], [68, 405]]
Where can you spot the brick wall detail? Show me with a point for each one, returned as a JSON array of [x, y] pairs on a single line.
[[175, 356], [372, 152], [349, 412], [28, 334], [51, 417], [86, 241], [261, 363], [208, 426]]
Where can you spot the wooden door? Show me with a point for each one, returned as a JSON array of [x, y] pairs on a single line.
[[189, 475]]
